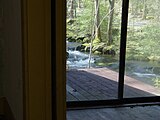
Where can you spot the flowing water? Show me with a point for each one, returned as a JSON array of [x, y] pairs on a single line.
[[141, 70]]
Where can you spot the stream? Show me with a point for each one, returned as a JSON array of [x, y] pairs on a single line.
[[145, 71]]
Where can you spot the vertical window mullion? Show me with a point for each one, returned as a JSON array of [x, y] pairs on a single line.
[[123, 40]]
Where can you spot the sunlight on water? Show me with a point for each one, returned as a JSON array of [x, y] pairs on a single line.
[[78, 59]]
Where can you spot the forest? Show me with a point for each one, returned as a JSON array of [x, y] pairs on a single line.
[[97, 23]]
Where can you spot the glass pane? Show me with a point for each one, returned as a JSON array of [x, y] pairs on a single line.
[[143, 54], [92, 47]]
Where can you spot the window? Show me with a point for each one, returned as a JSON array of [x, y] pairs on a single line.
[[100, 86]]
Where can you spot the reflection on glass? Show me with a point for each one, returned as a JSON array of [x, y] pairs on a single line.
[[143, 53], [92, 49]]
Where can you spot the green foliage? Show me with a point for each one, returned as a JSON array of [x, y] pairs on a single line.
[[142, 42], [150, 42], [86, 40], [96, 41], [82, 23], [156, 82], [97, 52], [86, 44]]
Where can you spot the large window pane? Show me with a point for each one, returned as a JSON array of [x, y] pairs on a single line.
[[143, 54], [92, 47]]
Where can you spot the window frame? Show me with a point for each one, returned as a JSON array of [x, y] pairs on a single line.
[[120, 99]]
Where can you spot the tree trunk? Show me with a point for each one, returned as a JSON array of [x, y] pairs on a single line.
[[157, 11], [144, 10], [97, 22], [72, 10], [110, 21], [79, 4]]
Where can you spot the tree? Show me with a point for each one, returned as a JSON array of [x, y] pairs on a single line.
[[144, 10], [97, 21], [79, 4], [72, 9], [110, 21], [157, 12]]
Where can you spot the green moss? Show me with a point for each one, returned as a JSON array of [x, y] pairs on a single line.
[[96, 41], [156, 82], [97, 52], [154, 58]]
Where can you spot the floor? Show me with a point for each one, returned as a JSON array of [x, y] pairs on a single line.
[[121, 113], [102, 84]]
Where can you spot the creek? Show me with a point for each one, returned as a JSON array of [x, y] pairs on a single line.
[[145, 71]]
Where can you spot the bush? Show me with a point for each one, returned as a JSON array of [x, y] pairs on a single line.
[[156, 82]]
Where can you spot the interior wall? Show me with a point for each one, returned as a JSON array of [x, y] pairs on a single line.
[[1, 39], [11, 69]]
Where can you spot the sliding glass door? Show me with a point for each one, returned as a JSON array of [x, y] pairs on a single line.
[[92, 50], [142, 52], [111, 52]]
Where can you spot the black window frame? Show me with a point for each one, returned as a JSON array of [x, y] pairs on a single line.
[[120, 99]]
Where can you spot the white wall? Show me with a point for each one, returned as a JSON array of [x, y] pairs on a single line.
[[12, 56]]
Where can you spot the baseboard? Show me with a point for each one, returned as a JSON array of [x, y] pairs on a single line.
[[5, 109]]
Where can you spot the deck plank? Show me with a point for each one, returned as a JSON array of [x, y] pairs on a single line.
[[101, 84], [81, 90], [75, 93], [70, 97], [122, 113], [89, 85]]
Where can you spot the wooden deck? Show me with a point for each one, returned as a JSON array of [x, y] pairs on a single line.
[[101, 84], [122, 113]]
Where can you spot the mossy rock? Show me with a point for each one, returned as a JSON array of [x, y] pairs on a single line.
[[70, 21], [110, 52], [97, 48], [86, 44], [97, 52], [96, 41], [80, 39], [87, 49], [71, 39], [80, 48], [86, 40], [149, 17], [154, 58], [105, 49]]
